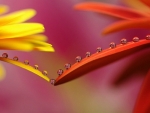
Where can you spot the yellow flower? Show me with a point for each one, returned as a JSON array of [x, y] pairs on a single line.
[[16, 35]]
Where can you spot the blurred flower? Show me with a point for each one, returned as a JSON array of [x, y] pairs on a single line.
[[132, 18], [15, 35]]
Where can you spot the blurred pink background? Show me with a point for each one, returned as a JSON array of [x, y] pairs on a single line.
[[72, 33]]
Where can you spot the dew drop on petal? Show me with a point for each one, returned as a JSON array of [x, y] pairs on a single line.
[[112, 45], [4, 55], [123, 41], [45, 72], [147, 37], [36, 67], [26, 62], [135, 39], [99, 49], [60, 72], [15, 58], [88, 54], [67, 66], [78, 58], [52, 81]]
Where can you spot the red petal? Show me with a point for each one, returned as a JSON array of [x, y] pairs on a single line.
[[98, 60], [143, 101], [113, 10], [146, 2], [128, 24]]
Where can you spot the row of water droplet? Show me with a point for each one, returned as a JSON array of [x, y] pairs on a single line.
[[99, 49], [26, 62]]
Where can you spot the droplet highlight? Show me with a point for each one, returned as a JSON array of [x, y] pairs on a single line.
[[123, 41], [45, 72], [78, 58], [52, 81], [99, 49], [5, 55], [15, 58], [112, 45], [60, 72], [67, 66], [88, 54], [26, 62], [147, 37], [135, 39], [36, 67]]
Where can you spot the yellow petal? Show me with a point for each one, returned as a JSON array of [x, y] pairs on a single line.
[[27, 67], [39, 37], [8, 44], [46, 49], [3, 9], [17, 17], [20, 30], [2, 72]]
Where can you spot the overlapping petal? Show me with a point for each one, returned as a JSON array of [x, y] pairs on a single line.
[[137, 4], [20, 30], [141, 23], [17, 17], [113, 10], [146, 2]]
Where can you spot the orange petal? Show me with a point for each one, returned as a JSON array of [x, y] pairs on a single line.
[[127, 24], [112, 10], [143, 101], [101, 59], [146, 2], [137, 4]]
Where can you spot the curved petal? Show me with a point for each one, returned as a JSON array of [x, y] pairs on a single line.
[[39, 37], [20, 30], [137, 4], [103, 58], [15, 45], [143, 100], [48, 49], [3, 9], [127, 24], [112, 10], [25, 45], [146, 2], [27, 67], [17, 17]]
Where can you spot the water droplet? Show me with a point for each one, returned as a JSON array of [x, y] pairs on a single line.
[[67, 66], [26, 62], [99, 49], [4, 55], [52, 81], [78, 58], [147, 37], [60, 72], [15, 58], [45, 72], [36, 66], [135, 39], [112, 45], [88, 54], [123, 41]]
